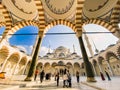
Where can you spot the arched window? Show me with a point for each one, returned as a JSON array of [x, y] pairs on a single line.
[[61, 55]]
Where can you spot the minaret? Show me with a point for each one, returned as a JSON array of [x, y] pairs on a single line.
[[96, 50], [88, 44], [49, 49], [73, 48]]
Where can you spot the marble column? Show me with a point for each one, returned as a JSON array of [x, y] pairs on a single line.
[[4, 63], [16, 66], [110, 68], [94, 70], [100, 67], [24, 68], [88, 66], [30, 76]]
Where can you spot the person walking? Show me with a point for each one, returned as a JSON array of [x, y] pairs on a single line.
[[57, 78], [102, 76], [108, 76], [65, 78], [69, 79], [36, 73], [77, 76], [42, 74]]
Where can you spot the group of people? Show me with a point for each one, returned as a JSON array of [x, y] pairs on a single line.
[[42, 74], [66, 77]]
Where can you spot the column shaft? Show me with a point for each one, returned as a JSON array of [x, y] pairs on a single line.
[[94, 70], [30, 75], [88, 66], [111, 70]]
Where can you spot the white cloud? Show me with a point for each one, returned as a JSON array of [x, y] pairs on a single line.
[[22, 48], [0, 36], [26, 49], [44, 50], [29, 49]]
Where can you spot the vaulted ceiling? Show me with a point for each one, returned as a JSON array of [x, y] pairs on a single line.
[[16, 14]]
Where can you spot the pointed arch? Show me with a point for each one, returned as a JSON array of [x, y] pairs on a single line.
[[47, 67], [4, 51], [14, 57], [60, 22], [102, 23], [100, 59], [109, 54], [21, 25], [23, 60], [54, 64], [39, 65]]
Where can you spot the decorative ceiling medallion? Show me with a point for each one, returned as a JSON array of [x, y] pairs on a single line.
[[99, 6], [21, 7], [28, 1], [59, 7]]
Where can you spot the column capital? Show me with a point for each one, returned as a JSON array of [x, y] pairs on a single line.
[[41, 33], [78, 33]]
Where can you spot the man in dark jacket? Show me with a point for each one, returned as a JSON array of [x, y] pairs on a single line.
[[42, 74]]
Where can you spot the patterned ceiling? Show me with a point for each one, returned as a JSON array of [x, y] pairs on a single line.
[[73, 13], [60, 9]]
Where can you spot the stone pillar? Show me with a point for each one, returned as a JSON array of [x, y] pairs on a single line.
[[3, 66], [100, 67], [25, 68], [110, 68], [88, 66], [30, 76], [16, 66], [94, 69]]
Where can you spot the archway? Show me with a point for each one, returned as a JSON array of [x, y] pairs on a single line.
[[4, 53], [112, 61], [76, 67], [70, 68], [20, 68], [11, 64], [47, 67]]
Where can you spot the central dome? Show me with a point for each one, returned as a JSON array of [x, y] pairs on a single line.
[[61, 49], [61, 52], [59, 7]]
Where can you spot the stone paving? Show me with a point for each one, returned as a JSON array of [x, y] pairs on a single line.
[[18, 84], [114, 84]]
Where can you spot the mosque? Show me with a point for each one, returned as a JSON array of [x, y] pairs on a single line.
[[16, 62], [45, 14]]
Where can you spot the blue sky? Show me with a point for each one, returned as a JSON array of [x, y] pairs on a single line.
[[26, 42]]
